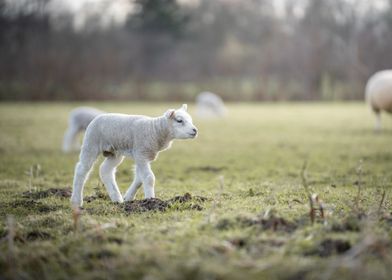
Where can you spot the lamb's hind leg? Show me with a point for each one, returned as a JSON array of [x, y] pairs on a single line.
[[137, 182], [82, 170], [107, 172], [70, 138]]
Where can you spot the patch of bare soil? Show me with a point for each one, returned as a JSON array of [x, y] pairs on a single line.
[[329, 247], [144, 205], [59, 192], [98, 195], [101, 254], [187, 198], [156, 204], [32, 205], [30, 236], [238, 242], [37, 235], [278, 224]]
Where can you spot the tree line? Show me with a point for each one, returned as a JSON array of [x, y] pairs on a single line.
[[242, 50]]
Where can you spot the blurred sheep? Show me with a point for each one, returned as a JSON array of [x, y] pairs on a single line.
[[379, 94], [79, 119], [210, 105]]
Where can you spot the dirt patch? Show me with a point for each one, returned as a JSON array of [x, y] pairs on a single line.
[[37, 235], [102, 254], [213, 169], [329, 247], [30, 236], [277, 224], [96, 196], [238, 242], [116, 240], [32, 205], [58, 192], [180, 202], [149, 204], [186, 198], [18, 237]]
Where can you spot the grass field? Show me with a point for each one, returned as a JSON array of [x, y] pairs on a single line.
[[254, 223]]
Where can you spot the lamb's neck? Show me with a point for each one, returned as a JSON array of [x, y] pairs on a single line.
[[162, 133]]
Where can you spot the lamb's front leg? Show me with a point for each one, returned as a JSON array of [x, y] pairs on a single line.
[[148, 178], [82, 170]]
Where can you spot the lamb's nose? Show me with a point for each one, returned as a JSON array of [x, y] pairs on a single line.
[[195, 130]]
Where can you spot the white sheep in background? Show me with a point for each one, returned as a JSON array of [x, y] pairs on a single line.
[[379, 94], [79, 119], [210, 105], [140, 137]]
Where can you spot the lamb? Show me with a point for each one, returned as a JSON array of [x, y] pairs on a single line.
[[140, 137], [79, 119], [379, 94], [210, 105]]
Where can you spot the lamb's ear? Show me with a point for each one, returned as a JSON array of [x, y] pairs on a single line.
[[170, 113], [184, 107]]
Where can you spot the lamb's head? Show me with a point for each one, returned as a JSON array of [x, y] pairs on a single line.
[[180, 123]]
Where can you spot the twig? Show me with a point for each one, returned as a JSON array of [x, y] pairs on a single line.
[[37, 170], [306, 187], [31, 176], [381, 202], [359, 184]]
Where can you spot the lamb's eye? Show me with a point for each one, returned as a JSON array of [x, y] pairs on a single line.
[[179, 121]]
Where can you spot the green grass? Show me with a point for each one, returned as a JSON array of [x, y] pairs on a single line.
[[259, 150]]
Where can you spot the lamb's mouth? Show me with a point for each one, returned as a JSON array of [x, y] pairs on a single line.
[[193, 135]]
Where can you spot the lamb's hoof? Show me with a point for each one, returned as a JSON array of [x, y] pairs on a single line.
[[76, 203], [128, 199], [118, 199]]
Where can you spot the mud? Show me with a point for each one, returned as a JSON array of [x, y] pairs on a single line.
[[58, 192]]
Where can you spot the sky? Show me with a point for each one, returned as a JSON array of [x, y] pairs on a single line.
[[116, 11], [111, 12]]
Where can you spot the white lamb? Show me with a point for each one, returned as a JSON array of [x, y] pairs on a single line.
[[140, 137], [79, 119], [379, 94], [210, 105]]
